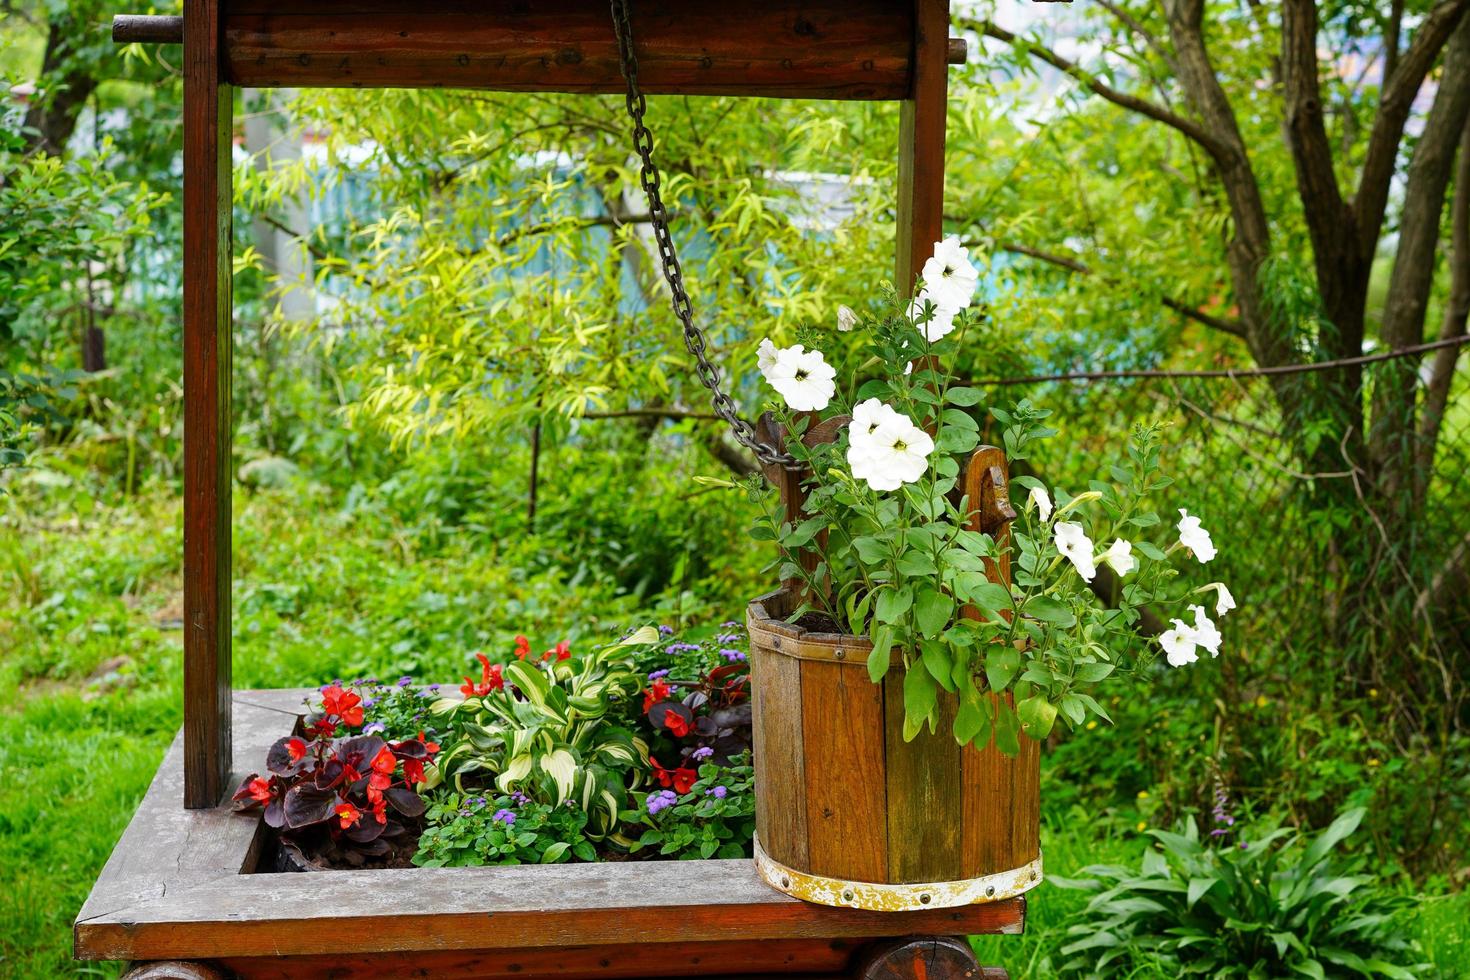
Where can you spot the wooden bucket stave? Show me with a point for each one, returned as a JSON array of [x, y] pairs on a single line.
[[847, 812]]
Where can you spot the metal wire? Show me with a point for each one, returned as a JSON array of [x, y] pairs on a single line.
[[648, 176]]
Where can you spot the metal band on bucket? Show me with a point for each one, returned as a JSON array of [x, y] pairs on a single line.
[[895, 898]]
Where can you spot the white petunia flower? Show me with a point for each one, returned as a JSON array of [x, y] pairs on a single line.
[[765, 357], [895, 453], [1120, 557], [867, 416], [940, 325], [803, 378], [1042, 502], [1224, 601], [846, 319], [1205, 633], [1194, 537], [948, 276], [1074, 545], [1179, 643]]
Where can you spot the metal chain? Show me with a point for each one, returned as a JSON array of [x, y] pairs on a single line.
[[648, 176]]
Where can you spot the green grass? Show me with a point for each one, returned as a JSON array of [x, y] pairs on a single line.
[[325, 591]]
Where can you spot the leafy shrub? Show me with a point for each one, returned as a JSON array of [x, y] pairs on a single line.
[[712, 818], [546, 728], [467, 830], [1279, 906]]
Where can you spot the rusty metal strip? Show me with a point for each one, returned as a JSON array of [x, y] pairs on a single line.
[[876, 897]]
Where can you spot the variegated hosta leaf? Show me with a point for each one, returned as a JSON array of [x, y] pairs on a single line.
[[516, 770], [561, 766], [641, 637]]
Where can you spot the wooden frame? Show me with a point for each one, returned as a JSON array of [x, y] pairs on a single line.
[[179, 884], [178, 887]]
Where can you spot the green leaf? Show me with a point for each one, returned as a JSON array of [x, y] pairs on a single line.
[[1001, 664], [881, 657], [1007, 730], [938, 662], [1197, 889], [964, 397], [1148, 550], [920, 697], [1049, 610], [1091, 673], [893, 603], [933, 610], [1037, 715]]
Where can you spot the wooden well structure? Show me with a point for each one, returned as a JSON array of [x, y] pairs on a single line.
[[179, 895]]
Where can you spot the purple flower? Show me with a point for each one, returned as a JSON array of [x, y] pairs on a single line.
[[405, 680], [718, 792], [728, 638], [734, 656], [654, 675], [661, 800], [674, 649], [521, 798], [433, 687], [504, 816], [703, 752], [730, 625], [369, 702], [665, 631], [373, 727]]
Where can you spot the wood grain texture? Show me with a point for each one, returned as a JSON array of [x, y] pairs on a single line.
[[921, 143], [174, 889], [207, 423], [925, 792], [779, 957], [846, 791], [837, 49], [780, 766]]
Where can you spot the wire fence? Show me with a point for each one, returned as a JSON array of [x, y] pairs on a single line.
[[1329, 548]]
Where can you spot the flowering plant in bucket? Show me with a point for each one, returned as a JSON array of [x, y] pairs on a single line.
[[894, 548]]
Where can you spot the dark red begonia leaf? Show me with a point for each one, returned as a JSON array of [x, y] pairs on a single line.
[[275, 813], [278, 757], [411, 749], [405, 801], [330, 774], [306, 805], [365, 830]]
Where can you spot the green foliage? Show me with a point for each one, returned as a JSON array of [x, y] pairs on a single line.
[[714, 819], [545, 729], [1284, 904], [466, 830]]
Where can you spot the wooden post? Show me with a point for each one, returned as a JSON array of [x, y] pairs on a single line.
[[921, 143], [207, 424]]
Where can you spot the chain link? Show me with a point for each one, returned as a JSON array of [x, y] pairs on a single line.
[[648, 177]]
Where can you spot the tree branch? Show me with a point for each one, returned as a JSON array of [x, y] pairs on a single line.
[[1371, 200], [1456, 315], [1233, 327], [1143, 107], [1306, 131]]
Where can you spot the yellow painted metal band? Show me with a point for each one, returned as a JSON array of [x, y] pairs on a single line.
[[895, 898]]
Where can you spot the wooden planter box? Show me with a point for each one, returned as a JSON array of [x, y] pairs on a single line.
[[180, 886]]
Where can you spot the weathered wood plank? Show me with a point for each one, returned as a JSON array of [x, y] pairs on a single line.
[[842, 722], [841, 49], [780, 768], [921, 143], [465, 908], [207, 423], [925, 792], [782, 957]]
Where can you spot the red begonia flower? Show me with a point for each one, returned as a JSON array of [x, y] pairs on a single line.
[[676, 724], [297, 749], [260, 790], [492, 679], [656, 693], [430, 747], [683, 780], [523, 647], [344, 704], [563, 650], [348, 814], [413, 771]]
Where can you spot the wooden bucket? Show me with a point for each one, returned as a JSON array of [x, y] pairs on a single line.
[[848, 813]]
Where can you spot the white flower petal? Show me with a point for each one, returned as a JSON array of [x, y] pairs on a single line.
[[804, 379], [892, 452], [1073, 544], [1120, 557], [1042, 501], [846, 319], [1205, 633], [940, 325], [1195, 538], [765, 357], [948, 276], [1179, 643]]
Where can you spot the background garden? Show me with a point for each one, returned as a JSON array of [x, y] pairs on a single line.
[[464, 413]]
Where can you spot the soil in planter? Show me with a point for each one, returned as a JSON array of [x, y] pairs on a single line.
[[817, 622], [324, 854]]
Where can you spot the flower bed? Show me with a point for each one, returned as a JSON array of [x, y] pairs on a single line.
[[635, 749]]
